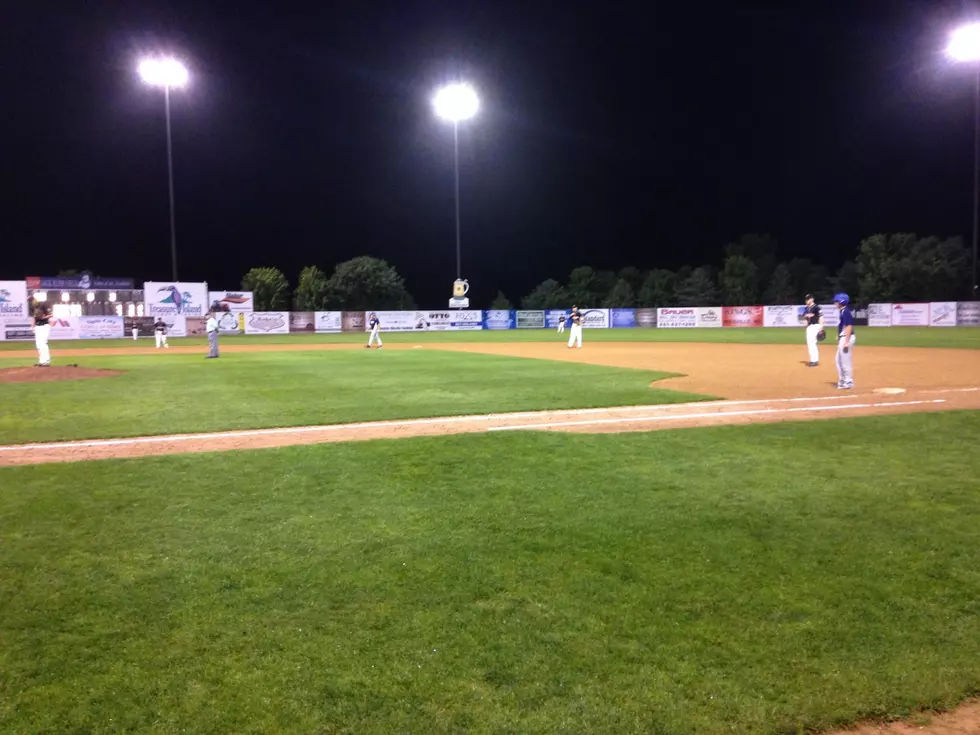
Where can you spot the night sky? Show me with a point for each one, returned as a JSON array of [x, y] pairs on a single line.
[[610, 135]]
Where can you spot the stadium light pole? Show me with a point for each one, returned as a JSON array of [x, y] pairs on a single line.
[[167, 73], [456, 103], [964, 47]]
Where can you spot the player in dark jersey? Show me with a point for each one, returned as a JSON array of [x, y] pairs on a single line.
[[575, 335], [814, 324], [374, 324]]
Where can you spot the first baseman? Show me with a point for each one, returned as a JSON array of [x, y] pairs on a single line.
[[575, 336], [375, 324], [160, 332], [42, 332], [845, 343], [814, 326]]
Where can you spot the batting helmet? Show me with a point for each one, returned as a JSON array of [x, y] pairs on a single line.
[[842, 298]]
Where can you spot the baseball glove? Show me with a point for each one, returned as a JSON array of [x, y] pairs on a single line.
[[821, 336]]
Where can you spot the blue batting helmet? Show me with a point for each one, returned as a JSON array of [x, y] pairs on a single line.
[[842, 298]]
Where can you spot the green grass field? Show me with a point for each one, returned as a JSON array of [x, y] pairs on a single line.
[[168, 393], [765, 579], [963, 337]]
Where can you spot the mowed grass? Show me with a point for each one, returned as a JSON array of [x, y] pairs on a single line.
[[167, 393], [772, 579], [960, 337]]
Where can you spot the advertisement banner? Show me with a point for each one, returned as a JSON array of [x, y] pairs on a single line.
[[677, 318], [783, 315], [396, 321], [646, 317], [64, 327], [231, 322], [530, 320], [595, 318], [879, 315], [830, 314], [551, 317], [708, 316], [196, 326], [230, 300], [942, 314], [100, 327], [168, 298], [742, 316], [910, 315], [176, 325], [498, 319], [622, 318], [302, 321], [267, 322], [448, 321], [13, 300], [143, 324], [17, 329], [968, 313], [353, 321], [327, 321], [84, 283]]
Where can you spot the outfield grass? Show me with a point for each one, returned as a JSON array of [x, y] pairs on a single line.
[[169, 393], [962, 337], [768, 579]]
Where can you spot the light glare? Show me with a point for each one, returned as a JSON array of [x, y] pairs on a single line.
[[456, 102], [964, 43], [163, 72], [40, 295]]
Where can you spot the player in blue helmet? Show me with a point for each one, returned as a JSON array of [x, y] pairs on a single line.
[[845, 342]]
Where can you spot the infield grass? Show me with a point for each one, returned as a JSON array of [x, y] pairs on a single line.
[[169, 393], [769, 579]]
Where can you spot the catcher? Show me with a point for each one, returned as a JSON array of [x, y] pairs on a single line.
[[814, 330]]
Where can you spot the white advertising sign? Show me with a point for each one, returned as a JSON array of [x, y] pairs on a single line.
[[830, 314], [64, 327], [328, 321], [456, 320], [231, 300], [267, 322], [781, 316], [302, 321], [13, 300], [968, 313], [176, 325], [708, 316], [16, 329], [677, 318], [397, 321], [942, 314], [169, 298], [879, 315], [230, 322], [910, 315], [595, 318], [100, 327]]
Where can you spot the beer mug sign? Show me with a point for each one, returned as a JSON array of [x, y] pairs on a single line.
[[460, 288]]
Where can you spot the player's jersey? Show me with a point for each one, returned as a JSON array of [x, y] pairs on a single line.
[[577, 317], [160, 326], [42, 315], [374, 322], [561, 319], [812, 315], [846, 320]]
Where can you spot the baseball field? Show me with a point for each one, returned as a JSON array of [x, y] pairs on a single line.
[[667, 531]]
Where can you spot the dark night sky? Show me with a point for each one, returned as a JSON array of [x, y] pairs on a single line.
[[610, 135]]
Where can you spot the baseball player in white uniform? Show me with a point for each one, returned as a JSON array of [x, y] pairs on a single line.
[[814, 326], [375, 325], [575, 332], [160, 332], [42, 333], [561, 324]]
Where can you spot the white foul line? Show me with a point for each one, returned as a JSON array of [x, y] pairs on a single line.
[[717, 414]]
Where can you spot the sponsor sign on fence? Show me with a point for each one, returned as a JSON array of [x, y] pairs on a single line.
[[352, 321], [302, 321], [230, 300], [551, 317], [176, 326], [910, 315], [397, 321], [64, 327], [85, 283], [968, 313], [455, 320], [742, 316], [622, 318], [231, 322], [677, 318], [100, 327], [197, 326], [942, 314], [646, 317], [169, 298], [530, 320], [595, 318], [879, 315], [498, 319], [781, 316], [328, 321], [830, 314], [708, 316], [13, 300], [16, 329], [267, 322]]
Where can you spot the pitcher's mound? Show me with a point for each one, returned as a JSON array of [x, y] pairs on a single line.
[[35, 374]]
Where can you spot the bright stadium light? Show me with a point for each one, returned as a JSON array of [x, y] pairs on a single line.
[[112, 296], [90, 297], [40, 296], [65, 296]]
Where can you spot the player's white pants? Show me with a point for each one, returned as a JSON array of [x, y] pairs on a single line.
[[41, 334], [845, 361], [575, 336], [375, 335], [136, 333], [161, 340], [811, 341]]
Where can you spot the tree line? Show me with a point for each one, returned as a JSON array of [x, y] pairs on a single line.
[[888, 268]]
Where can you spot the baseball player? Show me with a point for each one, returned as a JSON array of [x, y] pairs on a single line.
[[575, 333], [375, 324], [160, 332], [845, 343], [42, 332], [212, 329], [814, 329], [136, 332], [561, 324]]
